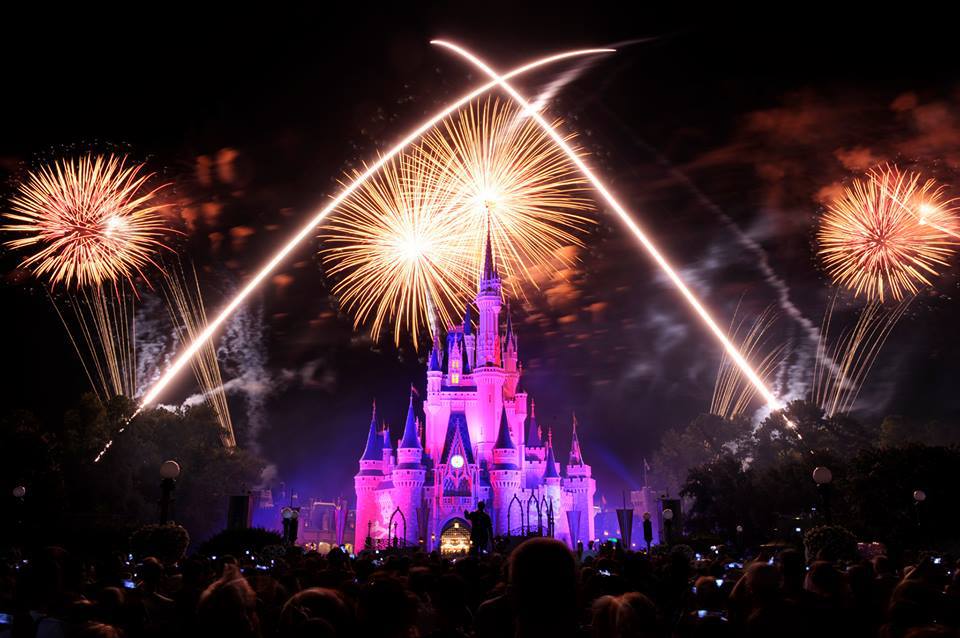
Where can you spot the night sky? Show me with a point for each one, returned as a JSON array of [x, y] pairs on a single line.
[[723, 135]]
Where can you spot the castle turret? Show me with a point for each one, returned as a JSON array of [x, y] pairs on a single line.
[[366, 482], [504, 478], [469, 339], [511, 365], [553, 491], [408, 476], [581, 488]]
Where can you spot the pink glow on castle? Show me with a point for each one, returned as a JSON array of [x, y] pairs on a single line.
[[478, 443]]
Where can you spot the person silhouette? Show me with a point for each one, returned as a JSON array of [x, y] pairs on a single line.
[[481, 529]]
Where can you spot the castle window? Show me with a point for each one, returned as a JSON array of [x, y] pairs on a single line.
[[455, 378]]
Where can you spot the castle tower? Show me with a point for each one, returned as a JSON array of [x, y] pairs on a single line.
[[510, 359], [581, 487], [408, 477], [534, 451], [553, 491], [504, 478], [469, 339], [366, 482]]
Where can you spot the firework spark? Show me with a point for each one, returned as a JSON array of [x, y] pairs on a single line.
[[628, 221], [399, 251], [89, 221], [503, 175], [185, 304], [99, 321], [842, 367], [732, 393], [888, 234]]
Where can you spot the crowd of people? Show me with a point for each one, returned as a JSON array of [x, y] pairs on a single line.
[[540, 589]]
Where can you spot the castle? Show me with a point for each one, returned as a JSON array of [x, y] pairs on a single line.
[[472, 448]]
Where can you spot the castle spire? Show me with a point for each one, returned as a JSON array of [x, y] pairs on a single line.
[[435, 356], [576, 458], [410, 438], [374, 450], [489, 266], [467, 322], [533, 433], [511, 339], [504, 440], [551, 470]]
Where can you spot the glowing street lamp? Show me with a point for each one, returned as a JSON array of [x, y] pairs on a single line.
[[822, 476], [169, 471]]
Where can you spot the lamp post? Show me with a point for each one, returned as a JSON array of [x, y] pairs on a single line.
[[18, 493], [169, 471], [919, 496], [667, 524], [822, 476], [291, 521]]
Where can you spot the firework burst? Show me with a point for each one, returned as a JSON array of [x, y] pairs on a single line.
[[88, 221], [497, 169], [888, 234], [398, 252]]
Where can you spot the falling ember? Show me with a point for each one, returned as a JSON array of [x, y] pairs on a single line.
[[888, 234], [732, 393], [399, 253], [185, 304], [499, 170], [88, 221]]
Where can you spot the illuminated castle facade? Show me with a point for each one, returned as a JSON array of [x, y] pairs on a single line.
[[478, 442]]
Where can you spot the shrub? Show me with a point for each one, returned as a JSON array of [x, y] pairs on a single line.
[[830, 542], [168, 543], [237, 541]]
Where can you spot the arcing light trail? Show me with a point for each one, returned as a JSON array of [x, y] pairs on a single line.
[[309, 226], [628, 221]]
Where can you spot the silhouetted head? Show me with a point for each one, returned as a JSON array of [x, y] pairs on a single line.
[[543, 576], [481, 506], [316, 611], [228, 607]]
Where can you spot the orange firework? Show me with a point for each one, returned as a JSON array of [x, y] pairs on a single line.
[[497, 169], [89, 221], [887, 234]]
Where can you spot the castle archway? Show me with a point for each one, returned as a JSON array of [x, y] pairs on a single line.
[[455, 538]]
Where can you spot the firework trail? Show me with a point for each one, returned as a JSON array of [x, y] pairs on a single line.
[[87, 222], [641, 237], [311, 224], [887, 235], [504, 177], [399, 252], [732, 393], [185, 305], [855, 351]]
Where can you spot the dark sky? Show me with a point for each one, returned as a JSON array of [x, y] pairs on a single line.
[[722, 133]]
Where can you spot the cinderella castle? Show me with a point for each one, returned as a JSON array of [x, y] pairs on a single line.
[[478, 443]]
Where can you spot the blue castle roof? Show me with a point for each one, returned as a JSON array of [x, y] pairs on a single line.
[[504, 440], [374, 449], [410, 435], [550, 471]]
